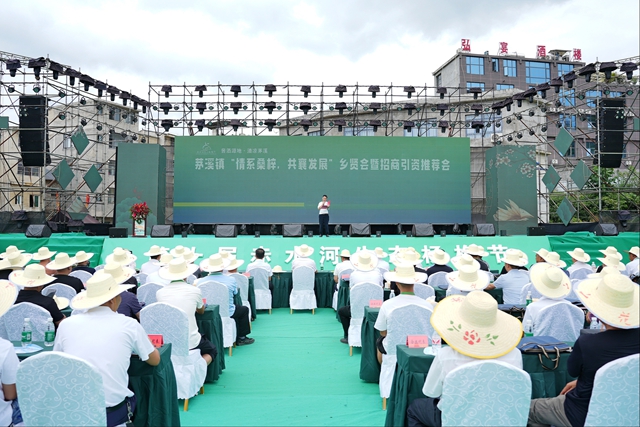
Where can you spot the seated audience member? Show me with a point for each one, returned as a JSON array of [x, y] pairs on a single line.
[[214, 265], [440, 259], [365, 265], [633, 267], [106, 339], [62, 265], [409, 256], [82, 262], [8, 358], [11, 249], [155, 277], [552, 284], [477, 312], [613, 299], [467, 278], [154, 253], [515, 278], [539, 256], [343, 265], [477, 252], [43, 256], [260, 263], [33, 279], [405, 277], [303, 252], [129, 306], [188, 298], [612, 261], [579, 259], [11, 262], [122, 257], [383, 266]]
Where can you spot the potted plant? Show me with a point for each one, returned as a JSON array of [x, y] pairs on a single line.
[[139, 213]]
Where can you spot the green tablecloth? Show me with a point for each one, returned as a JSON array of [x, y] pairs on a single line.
[[413, 366], [495, 293], [369, 367], [343, 296], [283, 283], [210, 324]]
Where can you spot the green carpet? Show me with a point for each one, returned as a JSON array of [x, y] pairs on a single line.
[[297, 373]]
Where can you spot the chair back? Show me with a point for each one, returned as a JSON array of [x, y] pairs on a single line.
[[562, 321], [465, 391], [82, 275], [243, 285], [303, 278], [147, 293], [60, 290], [216, 293], [407, 320], [580, 273], [99, 267], [614, 399], [573, 297], [525, 290], [423, 291], [438, 279], [14, 320], [141, 278], [360, 296], [260, 278], [57, 389], [191, 279], [346, 274], [170, 322]]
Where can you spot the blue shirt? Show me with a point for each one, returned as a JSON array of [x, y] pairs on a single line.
[[511, 285], [229, 282]]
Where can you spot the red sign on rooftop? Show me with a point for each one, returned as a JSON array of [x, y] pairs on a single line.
[[541, 51], [577, 54], [503, 48], [466, 45]]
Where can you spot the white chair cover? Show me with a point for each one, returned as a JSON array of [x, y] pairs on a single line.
[[580, 273], [141, 278], [191, 279], [243, 288], [465, 395], [439, 280], [14, 320], [261, 288], [562, 321], [147, 293], [302, 295], [614, 399], [217, 293], [61, 290], [423, 291], [360, 296], [525, 289], [99, 267], [173, 324], [82, 275], [57, 389], [573, 297], [403, 321]]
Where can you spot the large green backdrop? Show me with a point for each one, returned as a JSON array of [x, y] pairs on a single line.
[[244, 179]]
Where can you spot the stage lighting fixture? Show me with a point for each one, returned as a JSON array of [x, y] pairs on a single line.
[[441, 91], [270, 89], [532, 132], [629, 68], [410, 108], [100, 86], [36, 88], [136, 100], [200, 106], [543, 128], [56, 69], [543, 88], [442, 108], [83, 122], [509, 138], [144, 104], [606, 91], [581, 95], [165, 107], [341, 89], [519, 135], [124, 115], [507, 103], [408, 125], [375, 106], [305, 107], [607, 68], [235, 124], [257, 233], [236, 89], [543, 109], [236, 106], [518, 116], [587, 71], [306, 90], [270, 123], [509, 120], [557, 103], [556, 84], [200, 89], [37, 65], [475, 91], [374, 90], [375, 124], [569, 78], [530, 93], [305, 123], [61, 94], [341, 106], [134, 137], [270, 106], [73, 74], [113, 91], [409, 90], [497, 106], [476, 108], [62, 116], [12, 66], [200, 124], [443, 125], [497, 124], [143, 140], [532, 113], [11, 89], [87, 81], [629, 92], [477, 125], [582, 117], [124, 96], [519, 97], [558, 124], [339, 123], [99, 127], [167, 90], [166, 124]]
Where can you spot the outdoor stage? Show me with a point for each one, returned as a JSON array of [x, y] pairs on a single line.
[[326, 249]]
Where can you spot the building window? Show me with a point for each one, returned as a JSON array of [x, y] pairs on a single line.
[[510, 67], [66, 142], [425, 130], [359, 131], [592, 149], [439, 80], [316, 133], [489, 128], [115, 138], [567, 97], [495, 65], [28, 170], [568, 121], [111, 167], [114, 114], [564, 69], [571, 152], [537, 72], [18, 199], [98, 197], [503, 87], [475, 65], [34, 201], [475, 84], [592, 96], [111, 196]]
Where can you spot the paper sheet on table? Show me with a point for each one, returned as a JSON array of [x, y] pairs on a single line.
[[31, 348]]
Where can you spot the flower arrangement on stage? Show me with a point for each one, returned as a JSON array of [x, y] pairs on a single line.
[[139, 212]]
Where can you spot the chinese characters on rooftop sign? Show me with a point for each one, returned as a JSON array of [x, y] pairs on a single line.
[[466, 45], [541, 51], [503, 48]]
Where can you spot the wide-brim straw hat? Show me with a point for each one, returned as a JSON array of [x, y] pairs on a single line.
[[177, 269], [553, 258], [61, 261], [303, 251], [613, 262], [119, 272], [406, 274], [579, 255], [464, 259], [613, 298], [8, 295], [468, 278], [234, 263], [32, 276], [345, 253], [82, 256], [476, 250], [380, 253], [189, 255], [61, 302], [364, 260], [515, 257], [121, 256], [407, 256], [214, 263], [611, 252], [439, 257], [550, 281], [635, 250], [542, 252], [101, 288], [43, 253], [605, 270], [178, 251], [166, 258], [277, 269], [10, 249], [472, 325], [17, 259], [155, 250]]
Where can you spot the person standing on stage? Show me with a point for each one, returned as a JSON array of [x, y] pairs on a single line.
[[323, 210]]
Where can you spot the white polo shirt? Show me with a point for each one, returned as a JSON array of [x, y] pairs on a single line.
[[259, 263], [150, 267], [372, 276], [633, 268], [400, 301], [8, 369], [105, 339], [307, 262], [188, 298], [340, 267], [155, 278]]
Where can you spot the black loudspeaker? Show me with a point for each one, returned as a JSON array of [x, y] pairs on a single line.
[[360, 230], [612, 121], [606, 230], [117, 232], [37, 230], [292, 230], [484, 230], [535, 231], [423, 230], [34, 145], [162, 231], [97, 229], [226, 230]]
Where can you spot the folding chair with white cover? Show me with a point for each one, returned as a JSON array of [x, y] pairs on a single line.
[[562, 321], [217, 293], [243, 288], [173, 324], [615, 396], [14, 320], [147, 293], [345, 275], [402, 321], [486, 393], [261, 288], [535, 294], [423, 291], [57, 389], [141, 278], [360, 296], [82, 275], [302, 295], [580, 273], [438, 279], [60, 290], [191, 279], [573, 297]]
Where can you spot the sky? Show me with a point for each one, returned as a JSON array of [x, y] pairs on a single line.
[[133, 43]]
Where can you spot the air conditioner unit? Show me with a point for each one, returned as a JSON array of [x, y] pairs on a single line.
[[554, 161]]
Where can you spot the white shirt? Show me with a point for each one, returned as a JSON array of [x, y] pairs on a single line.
[[372, 276], [323, 210], [383, 266], [105, 339], [151, 266], [259, 263], [400, 301], [633, 268], [340, 267], [577, 266], [512, 284], [307, 262], [533, 309], [155, 278], [8, 369], [448, 359], [188, 298]]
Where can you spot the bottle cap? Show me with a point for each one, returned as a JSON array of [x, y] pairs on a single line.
[[26, 319]]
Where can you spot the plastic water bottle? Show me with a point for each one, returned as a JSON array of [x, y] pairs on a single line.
[[595, 324], [528, 300], [26, 332], [593, 266], [392, 294], [528, 329], [436, 343], [49, 333]]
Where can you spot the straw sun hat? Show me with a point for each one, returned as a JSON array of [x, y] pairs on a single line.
[[550, 281], [474, 326], [32, 276], [611, 252], [100, 288], [15, 260], [234, 262], [613, 262], [468, 277], [8, 295], [120, 256], [405, 273], [277, 269], [345, 253], [10, 249], [303, 251], [61, 261], [439, 257], [476, 250], [515, 257], [635, 251], [407, 256], [118, 272], [364, 260], [380, 253], [553, 258], [579, 255], [82, 256], [43, 253], [177, 269], [155, 250], [214, 263], [612, 298]]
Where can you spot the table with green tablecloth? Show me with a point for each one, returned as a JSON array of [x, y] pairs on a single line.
[[283, 283], [495, 293], [369, 367], [210, 324], [413, 366]]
